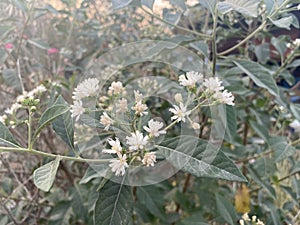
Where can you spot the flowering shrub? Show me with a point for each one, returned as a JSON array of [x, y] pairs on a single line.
[[149, 112]]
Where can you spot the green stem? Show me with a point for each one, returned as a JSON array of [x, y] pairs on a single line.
[[205, 36], [244, 40], [50, 155], [29, 144], [262, 26]]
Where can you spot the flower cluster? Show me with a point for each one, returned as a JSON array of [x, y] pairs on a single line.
[[133, 118], [87, 88], [253, 221], [22, 100]]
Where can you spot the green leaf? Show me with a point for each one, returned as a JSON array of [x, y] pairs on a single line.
[[119, 4], [63, 125], [179, 3], [89, 175], [295, 110], [245, 7], [280, 44], [171, 17], [261, 130], [150, 197], [202, 47], [114, 205], [281, 148], [266, 185], [261, 76], [226, 210], [199, 158], [148, 3], [49, 115], [44, 176], [6, 137], [60, 214], [285, 22], [231, 117], [12, 79], [209, 4]]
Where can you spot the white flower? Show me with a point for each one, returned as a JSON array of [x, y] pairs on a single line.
[[259, 222], [245, 217], [39, 89], [106, 120], [87, 88], [137, 141], [122, 105], [179, 112], [178, 98], [296, 42], [298, 7], [224, 97], [241, 222], [196, 126], [116, 88], [118, 165], [154, 128], [13, 108], [140, 108], [3, 118], [138, 96], [77, 110], [116, 147], [22, 97], [190, 79], [213, 84], [254, 218], [149, 159]]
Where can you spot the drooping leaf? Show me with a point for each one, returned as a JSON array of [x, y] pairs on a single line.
[[202, 47], [63, 125], [284, 22], [114, 205], [261, 76], [90, 174], [199, 158], [6, 138], [226, 210], [49, 115], [245, 7], [44, 176], [295, 110]]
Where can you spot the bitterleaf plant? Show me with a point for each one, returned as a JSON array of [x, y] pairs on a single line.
[[137, 140]]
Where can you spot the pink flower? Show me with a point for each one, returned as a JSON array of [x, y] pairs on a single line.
[[9, 46], [52, 51]]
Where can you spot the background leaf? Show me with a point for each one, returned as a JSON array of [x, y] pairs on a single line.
[[245, 7], [114, 205], [6, 137], [261, 76]]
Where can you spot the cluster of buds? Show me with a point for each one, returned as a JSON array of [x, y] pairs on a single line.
[[247, 221]]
